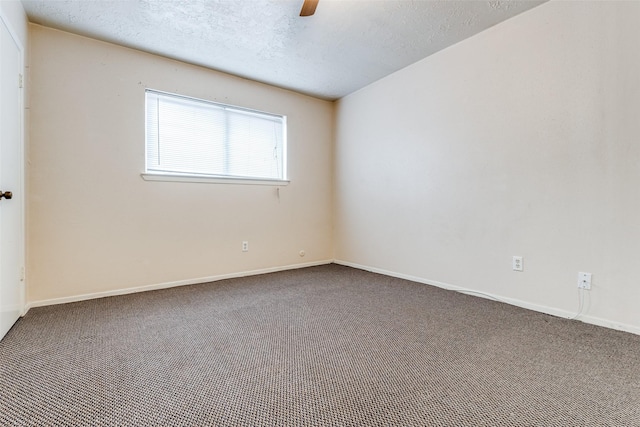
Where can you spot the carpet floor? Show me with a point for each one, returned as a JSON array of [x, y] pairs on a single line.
[[321, 346]]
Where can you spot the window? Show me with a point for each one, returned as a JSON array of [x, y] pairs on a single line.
[[189, 137]]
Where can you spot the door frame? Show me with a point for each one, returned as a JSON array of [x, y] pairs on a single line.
[[21, 166]]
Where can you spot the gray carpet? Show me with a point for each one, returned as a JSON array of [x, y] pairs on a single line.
[[322, 346]]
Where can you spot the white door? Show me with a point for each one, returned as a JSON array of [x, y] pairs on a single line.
[[11, 169]]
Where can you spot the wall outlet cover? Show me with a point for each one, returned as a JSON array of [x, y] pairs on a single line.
[[584, 280], [517, 263]]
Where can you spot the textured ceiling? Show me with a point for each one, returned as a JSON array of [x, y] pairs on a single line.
[[345, 46]]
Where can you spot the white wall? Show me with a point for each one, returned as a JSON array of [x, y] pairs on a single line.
[[522, 140], [96, 226]]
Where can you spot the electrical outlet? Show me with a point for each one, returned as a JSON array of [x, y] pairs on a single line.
[[245, 246], [517, 263], [584, 281]]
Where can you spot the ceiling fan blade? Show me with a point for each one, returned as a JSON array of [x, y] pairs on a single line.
[[309, 7]]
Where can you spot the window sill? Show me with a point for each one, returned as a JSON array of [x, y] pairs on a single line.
[[211, 179]]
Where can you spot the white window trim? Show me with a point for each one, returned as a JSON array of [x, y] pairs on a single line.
[[168, 177], [149, 175]]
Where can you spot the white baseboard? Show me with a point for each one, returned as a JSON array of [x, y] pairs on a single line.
[[83, 297], [512, 301]]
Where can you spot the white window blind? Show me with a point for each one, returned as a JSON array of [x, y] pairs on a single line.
[[187, 136]]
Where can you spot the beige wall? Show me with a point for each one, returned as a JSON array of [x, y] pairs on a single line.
[[96, 226], [522, 140]]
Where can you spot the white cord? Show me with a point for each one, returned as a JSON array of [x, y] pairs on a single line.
[[580, 304], [581, 298], [488, 296]]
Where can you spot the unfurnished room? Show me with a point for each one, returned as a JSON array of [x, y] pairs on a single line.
[[319, 213]]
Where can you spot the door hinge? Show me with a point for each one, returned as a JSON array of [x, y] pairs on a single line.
[[22, 274], [20, 83]]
